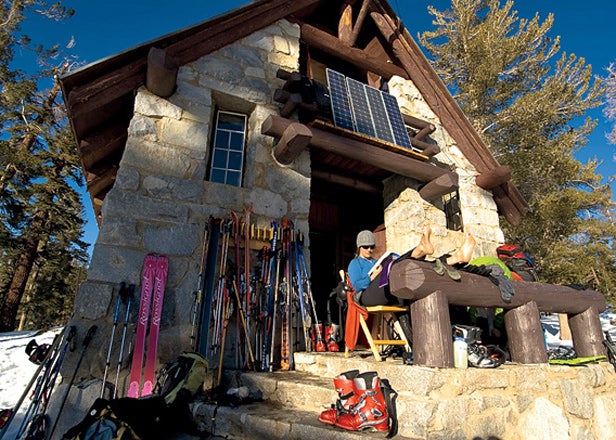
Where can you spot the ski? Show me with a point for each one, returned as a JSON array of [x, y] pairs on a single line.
[[147, 283], [160, 280], [209, 285]]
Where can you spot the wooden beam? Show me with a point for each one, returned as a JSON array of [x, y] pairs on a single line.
[[294, 140], [386, 158], [162, 72], [349, 182], [415, 279], [345, 24], [106, 88], [103, 180], [438, 187], [230, 28], [100, 145], [360, 21], [492, 178], [333, 46]]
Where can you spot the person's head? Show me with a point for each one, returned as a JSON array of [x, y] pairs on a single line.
[[365, 243]]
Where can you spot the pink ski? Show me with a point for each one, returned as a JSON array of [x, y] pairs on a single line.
[[160, 279], [149, 269]]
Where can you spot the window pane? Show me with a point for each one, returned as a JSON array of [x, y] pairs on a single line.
[[235, 161], [222, 139], [218, 176], [233, 178], [237, 141], [220, 159], [228, 121]]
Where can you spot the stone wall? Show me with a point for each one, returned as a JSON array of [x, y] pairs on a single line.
[[406, 212]]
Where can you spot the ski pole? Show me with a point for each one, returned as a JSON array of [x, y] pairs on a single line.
[[243, 318], [129, 300], [34, 378], [86, 342], [113, 329]]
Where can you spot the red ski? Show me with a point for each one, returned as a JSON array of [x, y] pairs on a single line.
[[160, 280], [151, 280]]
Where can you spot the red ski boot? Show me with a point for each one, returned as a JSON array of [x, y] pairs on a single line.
[[371, 410], [331, 334], [347, 397], [317, 338]]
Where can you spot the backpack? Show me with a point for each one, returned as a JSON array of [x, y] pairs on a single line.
[[518, 261], [182, 378], [101, 423]]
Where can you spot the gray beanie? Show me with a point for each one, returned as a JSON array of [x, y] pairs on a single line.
[[365, 238]]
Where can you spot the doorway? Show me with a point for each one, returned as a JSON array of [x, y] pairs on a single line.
[[337, 214]]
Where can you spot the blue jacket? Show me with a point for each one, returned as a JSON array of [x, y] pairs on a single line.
[[358, 272]]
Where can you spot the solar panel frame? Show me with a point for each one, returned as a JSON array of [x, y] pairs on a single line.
[[339, 100], [362, 115]]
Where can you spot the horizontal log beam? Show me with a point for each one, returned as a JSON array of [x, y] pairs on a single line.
[[415, 279], [100, 145], [162, 72], [492, 178], [394, 160], [349, 182], [294, 140], [445, 184], [333, 46]]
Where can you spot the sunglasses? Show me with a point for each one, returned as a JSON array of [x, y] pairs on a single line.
[[367, 247]]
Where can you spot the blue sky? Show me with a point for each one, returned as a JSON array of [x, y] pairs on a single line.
[[102, 29]]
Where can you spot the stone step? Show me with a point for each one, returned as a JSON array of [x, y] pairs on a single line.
[[510, 402], [266, 420]]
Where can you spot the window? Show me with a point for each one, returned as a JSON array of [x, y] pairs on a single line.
[[227, 159], [451, 207]]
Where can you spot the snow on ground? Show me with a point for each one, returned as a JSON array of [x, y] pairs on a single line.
[[16, 371]]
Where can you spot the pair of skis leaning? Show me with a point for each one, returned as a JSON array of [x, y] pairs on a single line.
[[153, 283]]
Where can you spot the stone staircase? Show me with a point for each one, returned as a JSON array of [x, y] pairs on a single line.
[[507, 403]]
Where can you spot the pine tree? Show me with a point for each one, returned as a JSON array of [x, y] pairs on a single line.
[[527, 101], [610, 98], [41, 208]]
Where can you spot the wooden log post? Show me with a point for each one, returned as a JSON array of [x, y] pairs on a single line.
[[525, 334], [432, 340], [587, 333]]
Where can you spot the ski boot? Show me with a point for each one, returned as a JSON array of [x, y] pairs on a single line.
[[331, 334], [347, 397], [317, 338], [371, 410]]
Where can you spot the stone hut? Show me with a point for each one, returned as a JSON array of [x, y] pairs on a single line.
[[146, 120]]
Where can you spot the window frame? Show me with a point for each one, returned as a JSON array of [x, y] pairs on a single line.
[[228, 171]]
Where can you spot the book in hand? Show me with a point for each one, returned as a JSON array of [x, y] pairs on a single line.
[[386, 258]]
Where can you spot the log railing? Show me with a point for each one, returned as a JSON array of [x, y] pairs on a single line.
[[431, 295]]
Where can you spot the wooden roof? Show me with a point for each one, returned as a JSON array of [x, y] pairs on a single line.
[[99, 97]]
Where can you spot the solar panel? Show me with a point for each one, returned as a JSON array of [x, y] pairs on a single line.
[[380, 118], [339, 97], [361, 110], [401, 136], [358, 107]]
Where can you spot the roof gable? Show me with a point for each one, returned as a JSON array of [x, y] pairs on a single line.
[[100, 97]]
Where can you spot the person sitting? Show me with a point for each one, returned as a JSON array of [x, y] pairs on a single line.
[[365, 276]]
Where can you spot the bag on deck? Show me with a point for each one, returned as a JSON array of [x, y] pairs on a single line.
[[518, 261], [182, 378]]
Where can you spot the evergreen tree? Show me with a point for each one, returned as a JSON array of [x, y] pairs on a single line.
[[527, 101], [41, 208], [610, 98]]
